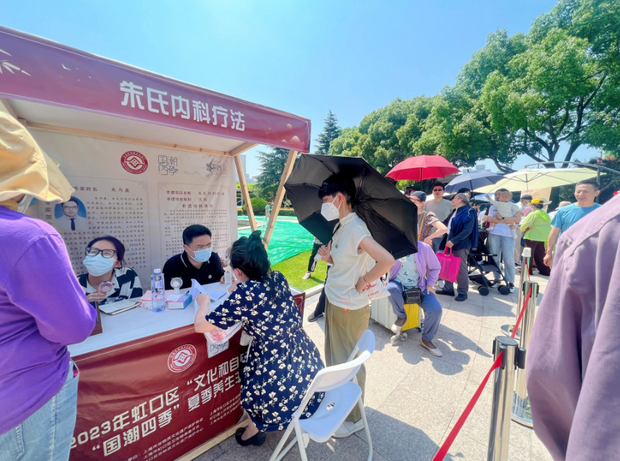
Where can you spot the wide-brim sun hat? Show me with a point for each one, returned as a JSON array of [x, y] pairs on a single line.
[[25, 168]]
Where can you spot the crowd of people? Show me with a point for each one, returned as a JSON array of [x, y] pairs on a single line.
[[42, 310]]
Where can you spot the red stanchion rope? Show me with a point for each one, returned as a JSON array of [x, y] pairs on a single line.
[[470, 406], [527, 300]]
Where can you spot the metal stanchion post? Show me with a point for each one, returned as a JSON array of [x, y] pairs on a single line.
[[502, 398], [525, 264], [521, 402]]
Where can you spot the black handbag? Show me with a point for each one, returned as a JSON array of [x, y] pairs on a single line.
[[413, 296]]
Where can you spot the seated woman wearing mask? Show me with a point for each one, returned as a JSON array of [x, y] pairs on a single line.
[[283, 360], [104, 263]]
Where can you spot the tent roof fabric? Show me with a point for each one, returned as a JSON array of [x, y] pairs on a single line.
[[41, 72], [539, 178]]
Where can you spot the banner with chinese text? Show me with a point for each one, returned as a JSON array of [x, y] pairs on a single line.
[[155, 398], [42, 71]]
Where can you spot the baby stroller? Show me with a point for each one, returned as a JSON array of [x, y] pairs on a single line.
[[481, 263]]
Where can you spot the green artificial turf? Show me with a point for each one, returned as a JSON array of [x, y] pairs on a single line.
[[294, 269]]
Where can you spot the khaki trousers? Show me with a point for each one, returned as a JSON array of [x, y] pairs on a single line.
[[342, 331], [518, 247]]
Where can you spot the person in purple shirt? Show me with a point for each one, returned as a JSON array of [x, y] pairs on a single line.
[[42, 307], [420, 270], [573, 365]]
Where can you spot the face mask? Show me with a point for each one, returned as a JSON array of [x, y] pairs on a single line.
[[24, 204], [202, 256], [98, 265], [329, 211]]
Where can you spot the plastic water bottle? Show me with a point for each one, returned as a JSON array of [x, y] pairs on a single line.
[[158, 292], [227, 278]]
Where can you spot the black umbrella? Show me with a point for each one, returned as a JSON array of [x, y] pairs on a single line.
[[390, 216], [473, 180]]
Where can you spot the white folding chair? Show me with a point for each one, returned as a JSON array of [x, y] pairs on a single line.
[[341, 396]]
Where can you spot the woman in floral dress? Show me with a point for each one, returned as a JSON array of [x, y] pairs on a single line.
[[282, 360]]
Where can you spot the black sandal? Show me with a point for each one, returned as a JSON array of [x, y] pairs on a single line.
[[257, 439]]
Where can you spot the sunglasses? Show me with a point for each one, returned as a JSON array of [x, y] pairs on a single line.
[[437, 190]]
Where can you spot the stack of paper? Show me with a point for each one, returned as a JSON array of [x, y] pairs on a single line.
[[118, 306]]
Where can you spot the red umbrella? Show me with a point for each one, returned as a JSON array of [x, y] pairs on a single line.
[[422, 167]]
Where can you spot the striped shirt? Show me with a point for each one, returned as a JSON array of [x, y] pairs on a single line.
[[126, 285]]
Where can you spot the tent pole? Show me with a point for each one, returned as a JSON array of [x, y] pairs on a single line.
[[290, 161], [245, 192], [242, 148]]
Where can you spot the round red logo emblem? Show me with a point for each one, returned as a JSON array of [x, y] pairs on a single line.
[[134, 162], [181, 358]]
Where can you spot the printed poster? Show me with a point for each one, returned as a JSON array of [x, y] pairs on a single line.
[[144, 196]]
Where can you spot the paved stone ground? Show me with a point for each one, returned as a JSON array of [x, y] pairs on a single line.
[[413, 399]]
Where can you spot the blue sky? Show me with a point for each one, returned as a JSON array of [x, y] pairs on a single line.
[[304, 57]]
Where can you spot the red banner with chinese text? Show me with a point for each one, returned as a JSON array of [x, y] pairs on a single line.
[[39, 70], [155, 398]]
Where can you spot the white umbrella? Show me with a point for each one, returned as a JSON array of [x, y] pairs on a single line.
[[539, 178]]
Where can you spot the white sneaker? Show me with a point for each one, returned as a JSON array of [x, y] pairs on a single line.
[[398, 325], [307, 275], [348, 428]]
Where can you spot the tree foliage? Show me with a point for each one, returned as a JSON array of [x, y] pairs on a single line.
[[272, 166], [526, 94], [386, 136], [459, 130], [331, 131], [610, 182]]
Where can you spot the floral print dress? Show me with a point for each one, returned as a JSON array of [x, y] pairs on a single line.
[[282, 360]]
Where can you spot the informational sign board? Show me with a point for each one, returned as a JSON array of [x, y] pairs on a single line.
[[144, 196], [155, 398], [38, 70]]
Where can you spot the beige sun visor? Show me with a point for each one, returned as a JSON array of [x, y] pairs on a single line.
[[25, 168]]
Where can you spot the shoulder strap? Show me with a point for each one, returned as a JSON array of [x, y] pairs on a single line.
[[421, 224]]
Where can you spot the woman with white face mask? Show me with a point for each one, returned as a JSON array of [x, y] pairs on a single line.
[[347, 307], [104, 263]]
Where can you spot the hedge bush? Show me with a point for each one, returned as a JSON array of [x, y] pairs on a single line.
[[259, 209], [258, 206], [287, 212]]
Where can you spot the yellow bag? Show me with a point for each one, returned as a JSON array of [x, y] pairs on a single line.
[[413, 316]]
